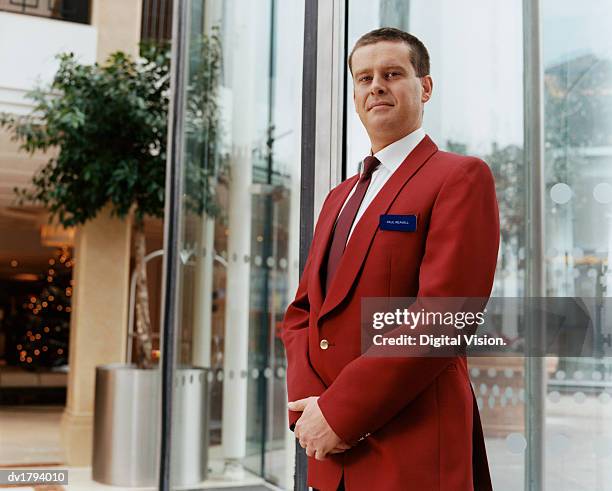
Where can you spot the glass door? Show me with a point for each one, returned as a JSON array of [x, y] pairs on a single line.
[[476, 109], [477, 58], [577, 68], [238, 237]]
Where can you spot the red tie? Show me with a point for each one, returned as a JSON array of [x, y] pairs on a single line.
[[346, 219]]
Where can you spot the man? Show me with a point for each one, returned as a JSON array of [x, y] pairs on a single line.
[[381, 423]]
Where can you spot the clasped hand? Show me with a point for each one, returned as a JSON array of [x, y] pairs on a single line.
[[313, 432]]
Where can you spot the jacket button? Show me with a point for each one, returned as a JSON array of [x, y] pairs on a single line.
[[324, 344]]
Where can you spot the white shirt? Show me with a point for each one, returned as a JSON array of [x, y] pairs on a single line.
[[390, 158]]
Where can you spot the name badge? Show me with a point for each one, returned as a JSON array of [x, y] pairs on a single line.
[[400, 223]]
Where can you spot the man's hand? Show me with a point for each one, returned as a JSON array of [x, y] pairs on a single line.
[[313, 432]]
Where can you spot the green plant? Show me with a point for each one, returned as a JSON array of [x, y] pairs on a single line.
[[107, 126]]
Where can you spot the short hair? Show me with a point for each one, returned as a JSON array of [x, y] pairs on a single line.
[[419, 57]]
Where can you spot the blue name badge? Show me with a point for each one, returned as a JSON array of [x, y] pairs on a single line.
[[400, 223]]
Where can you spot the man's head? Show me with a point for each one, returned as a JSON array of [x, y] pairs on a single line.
[[391, 83]]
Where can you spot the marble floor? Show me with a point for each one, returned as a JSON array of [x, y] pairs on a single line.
[[30, 435], [30, 440], [578, 454], [80, 480]]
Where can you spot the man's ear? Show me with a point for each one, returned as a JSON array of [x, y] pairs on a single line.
[[427, 86]]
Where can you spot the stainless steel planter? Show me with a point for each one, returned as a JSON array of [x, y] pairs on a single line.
[[126, 426]]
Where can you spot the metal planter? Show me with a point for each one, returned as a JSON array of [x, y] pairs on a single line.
[[127, 420]]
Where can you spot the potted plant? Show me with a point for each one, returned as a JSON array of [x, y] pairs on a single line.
[[108, 126]]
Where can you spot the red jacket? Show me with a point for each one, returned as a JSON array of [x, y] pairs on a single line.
[[413, 421]]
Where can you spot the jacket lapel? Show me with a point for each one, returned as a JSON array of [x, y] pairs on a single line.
[[363, 234], [327, 220]]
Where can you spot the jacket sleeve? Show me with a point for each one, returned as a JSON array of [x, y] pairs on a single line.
[[459, 261], [302, 380]]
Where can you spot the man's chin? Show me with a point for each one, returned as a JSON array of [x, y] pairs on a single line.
[[383, 122]]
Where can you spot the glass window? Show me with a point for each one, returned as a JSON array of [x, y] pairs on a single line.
[[240, 229], [577, 59], [476, 52]]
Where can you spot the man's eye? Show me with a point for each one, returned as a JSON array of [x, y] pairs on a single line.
[[365, 78], [391, 74]]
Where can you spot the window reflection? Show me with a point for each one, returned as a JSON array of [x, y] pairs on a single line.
[[578, 118], [240, 224]]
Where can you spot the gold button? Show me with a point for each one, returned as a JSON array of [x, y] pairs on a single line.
[[324, 344]]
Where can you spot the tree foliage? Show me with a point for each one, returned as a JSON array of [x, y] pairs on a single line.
[[108, 123]]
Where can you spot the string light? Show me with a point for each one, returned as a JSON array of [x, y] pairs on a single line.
[[52, 297]]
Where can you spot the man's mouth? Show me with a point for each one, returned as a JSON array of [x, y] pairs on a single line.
[[380, 104]]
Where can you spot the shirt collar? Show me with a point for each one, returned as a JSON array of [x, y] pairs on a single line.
[[394, 154]]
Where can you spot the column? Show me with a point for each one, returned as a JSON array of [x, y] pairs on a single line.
[[118, 26], [98, 325], [243, 52]]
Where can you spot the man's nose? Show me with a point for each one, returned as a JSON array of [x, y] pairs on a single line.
[[378, 86]]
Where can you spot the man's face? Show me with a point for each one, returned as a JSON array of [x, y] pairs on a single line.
[[388, 95]]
